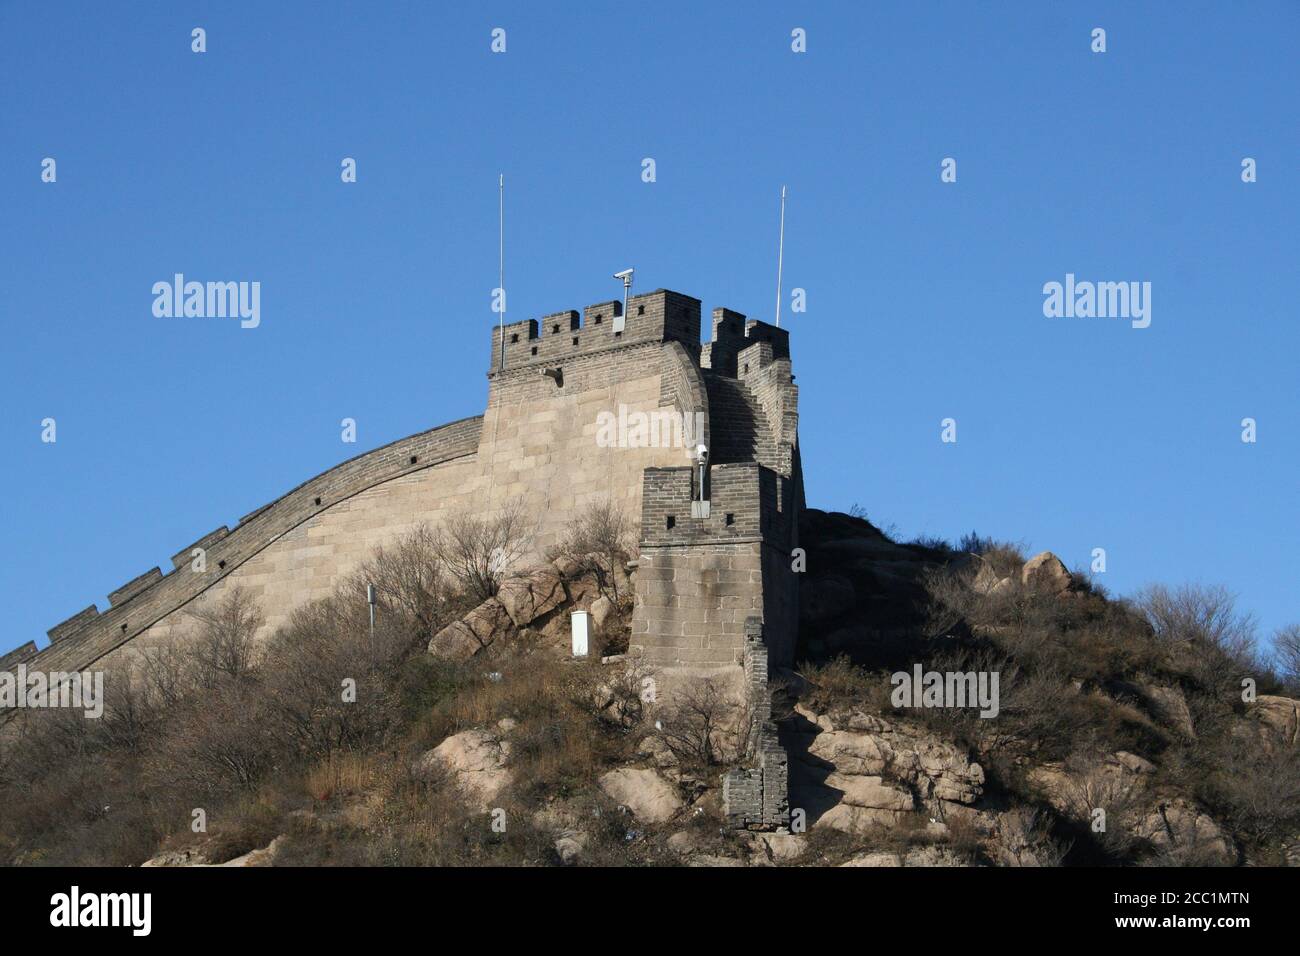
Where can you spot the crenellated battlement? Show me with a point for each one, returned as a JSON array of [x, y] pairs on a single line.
[[653, 317]]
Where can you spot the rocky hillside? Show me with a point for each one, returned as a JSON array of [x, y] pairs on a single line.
[[1123, 733]]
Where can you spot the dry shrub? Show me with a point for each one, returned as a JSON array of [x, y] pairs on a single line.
[[1093, 784], [410, 581], [1257, 792], [477, 552], [1286, 652], [841, 683], [702, 727], [570, 717], [1026, 834], [600, 541], [341, 774], [222, 647]]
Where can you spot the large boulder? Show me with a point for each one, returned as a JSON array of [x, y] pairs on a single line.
[[601, 609], [1045, 572], [1179, 827], [870, 746], [649, 797], [189, 856], [478, 629], [476, 760], [1278, 721], [870, 792], [530, 594], [1170, 706], [263, 857], [856, 820]]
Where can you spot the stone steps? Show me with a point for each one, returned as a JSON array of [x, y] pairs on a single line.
[[737, 424]]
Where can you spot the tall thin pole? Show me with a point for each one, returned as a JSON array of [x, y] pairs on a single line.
[[780, 256], [501, 259], [370, 599]]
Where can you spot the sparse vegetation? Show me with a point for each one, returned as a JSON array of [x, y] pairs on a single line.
[[599, 541], [320, 732], [477, 551]]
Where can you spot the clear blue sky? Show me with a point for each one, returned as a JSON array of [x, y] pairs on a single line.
[[924, 298]]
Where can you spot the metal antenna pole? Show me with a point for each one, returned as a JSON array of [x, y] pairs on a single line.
[[780, 256], [501, 259], [370, 599]]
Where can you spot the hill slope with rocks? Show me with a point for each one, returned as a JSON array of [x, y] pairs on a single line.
[[1126, 732]]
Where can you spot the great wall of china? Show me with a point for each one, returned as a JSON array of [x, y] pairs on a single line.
[[715, 593]]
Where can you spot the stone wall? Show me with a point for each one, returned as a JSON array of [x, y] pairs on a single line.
[[757, 796], [536, 445], [265, 535], [707, 563]]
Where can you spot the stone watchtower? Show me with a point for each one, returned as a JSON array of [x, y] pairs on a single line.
[[719, 515]]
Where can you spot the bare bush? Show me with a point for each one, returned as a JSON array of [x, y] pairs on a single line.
[[1286, 652], [476, 552], [599, 539], [326, 681], [841, 683], [409, 579], [223, 646], [698, 725], [218, 742], [1026, 835], [167, 673], [1094, 785], [1205, 615], [1258, 793]]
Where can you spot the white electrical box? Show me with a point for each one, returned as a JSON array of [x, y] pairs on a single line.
[[579, 623]]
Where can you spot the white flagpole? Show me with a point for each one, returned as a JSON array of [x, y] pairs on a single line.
[[501, 259], [780, 255]]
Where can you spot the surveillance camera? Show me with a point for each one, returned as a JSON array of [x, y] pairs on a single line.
[[624, 275], [701, 452]]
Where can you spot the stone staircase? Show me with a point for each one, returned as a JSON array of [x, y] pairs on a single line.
[[738, 427]]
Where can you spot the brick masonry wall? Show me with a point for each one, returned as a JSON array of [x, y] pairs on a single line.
[[89, 636], [692, 601], [653, 317], [757, 796], [536, 444]]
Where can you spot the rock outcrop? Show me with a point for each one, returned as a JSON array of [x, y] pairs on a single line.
[[856, 771], [476, 759], [647, 795], [1046, 572]]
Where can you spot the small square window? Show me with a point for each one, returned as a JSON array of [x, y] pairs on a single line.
[[731, 519], [414, 459], [534, 349], [575, 340], [672, 522], [598, 320], [640, 310], [514, 337], [555, 330], [317, 501]]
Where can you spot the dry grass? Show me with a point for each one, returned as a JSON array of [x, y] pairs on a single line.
[[342, 774]]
